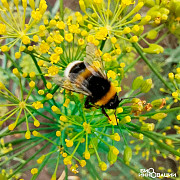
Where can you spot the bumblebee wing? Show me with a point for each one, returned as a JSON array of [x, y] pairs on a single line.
[[71, 86], [93, 59]]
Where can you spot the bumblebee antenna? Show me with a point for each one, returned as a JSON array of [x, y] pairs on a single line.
[[104, 112], [121, 99]]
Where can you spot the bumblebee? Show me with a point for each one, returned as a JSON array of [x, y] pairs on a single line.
[[89, 78]]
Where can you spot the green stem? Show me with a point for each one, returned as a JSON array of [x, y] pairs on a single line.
[[20, 152], [9, 57], [61, 10], [22, 165], [162, 145], [38, 68]]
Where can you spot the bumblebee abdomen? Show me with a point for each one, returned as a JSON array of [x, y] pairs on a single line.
[[98, 87]]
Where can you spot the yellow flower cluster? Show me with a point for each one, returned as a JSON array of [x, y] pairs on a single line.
[[14, 25]]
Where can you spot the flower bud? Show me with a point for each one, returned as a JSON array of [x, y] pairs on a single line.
[[145, 20], [16, 72], [36, 134], [87, 154], [175, 95], [125, 120], [102, 166], [49, 96], [127, 155], [177, 77], [112, 157], [34, 171], [152, 34], [138, 7], [32, 84], [115, 137], [28, 135], [146, 85], [138, 136], [41, 159], [154, 49], [164, 10], [58, 133], [158, 103], [147, 127], [82, 163], [159, 116], [32, 4], [2, 86], [171, 76], [67, 160], [137, 83], [69, 143], [56, 109], [82, 6]]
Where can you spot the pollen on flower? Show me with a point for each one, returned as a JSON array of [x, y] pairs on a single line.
[[17, 55], [178, 117], [26, 40], [41, 159], [82, 163], [67, 160], [175, 95], [34, 171], [49, 96], [36, 134], [86, 154], [68, 37], [115, 137], [64, 155], [12, 126], [111, 74], [103, 166], [41, 92], [37, 105], [66, 103], [28, 135], [32, 74], [63, 118], [32, 84], [54, 58], [58, 133], [49, 85], [4, 48], [53, 70], [80, 42], [16, 72], [58, 50], [36, 123], [69, 143]]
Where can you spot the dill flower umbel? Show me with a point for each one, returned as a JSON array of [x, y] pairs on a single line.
[[20, 105], [13, 23]]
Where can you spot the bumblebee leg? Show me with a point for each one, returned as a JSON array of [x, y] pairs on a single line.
[[104, 112], [87, 103], [116, 117]]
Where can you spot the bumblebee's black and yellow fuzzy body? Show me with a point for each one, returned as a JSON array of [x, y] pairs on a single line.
[[89, 78], [101, 91]]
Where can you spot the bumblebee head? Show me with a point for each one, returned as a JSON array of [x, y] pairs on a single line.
[[113, 103]]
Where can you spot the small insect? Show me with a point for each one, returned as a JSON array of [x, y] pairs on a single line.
[[89, 78]]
